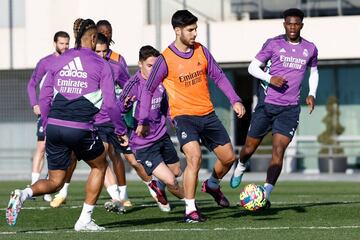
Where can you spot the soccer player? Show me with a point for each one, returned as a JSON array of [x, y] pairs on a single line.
[[183, 68], [106, 133], [120, 70], [118, 62], [290, 56], [61, 44], [156, 151], [115, 183], [104, 27], [72, 94]]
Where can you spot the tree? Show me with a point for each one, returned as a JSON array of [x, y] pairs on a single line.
[[335, 161], [333, 128]]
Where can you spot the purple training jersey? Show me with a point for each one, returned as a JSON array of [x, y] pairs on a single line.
[[157, 114], [121, 75], [119, 67], [38, 77], [160, 72], [289, 61], [76, 87]]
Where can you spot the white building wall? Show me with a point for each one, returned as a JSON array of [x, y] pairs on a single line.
[[239, 41], [230, 41]]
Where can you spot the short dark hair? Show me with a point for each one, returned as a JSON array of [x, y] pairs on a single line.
[[60, 34], [102, 39], [147, 51], [103, 23], [107, 24], [183, 18], [293, 12]]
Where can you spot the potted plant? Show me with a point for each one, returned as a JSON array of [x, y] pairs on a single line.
[[331, 158]]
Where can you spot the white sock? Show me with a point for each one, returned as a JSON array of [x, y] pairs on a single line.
[[123, 193], [25, 194], [114, 192], [268, 188], [86, 213], [34, 177], [240, 169], [213, 182], [189, 205], [147, 183], [64, 190]]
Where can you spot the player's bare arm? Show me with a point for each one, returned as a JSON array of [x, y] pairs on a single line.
[[36, 109], [124, 140], [239, 109], [310, 101]]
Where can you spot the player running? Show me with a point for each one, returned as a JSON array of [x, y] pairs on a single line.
[[156, 151], [72, 94], [290, 56], [183, 68]]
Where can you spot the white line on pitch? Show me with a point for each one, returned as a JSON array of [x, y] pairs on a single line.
[[198, 229], [72, 206]]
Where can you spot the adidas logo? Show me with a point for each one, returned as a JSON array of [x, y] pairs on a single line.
[[282, 50], [73, 69], [292, 132]]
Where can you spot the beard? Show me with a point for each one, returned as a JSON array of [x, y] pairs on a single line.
[[59, 51], [187, 42]]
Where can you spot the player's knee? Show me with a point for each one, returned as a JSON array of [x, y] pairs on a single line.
[[57, 184], [278, 151], [227, 159], [172, 183], [177, 172], [193, 162], [193, 166], [230, 159], [100, 165]]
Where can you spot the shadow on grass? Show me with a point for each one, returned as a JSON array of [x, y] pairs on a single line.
[[143, 222], [44, 230], [274, 210]]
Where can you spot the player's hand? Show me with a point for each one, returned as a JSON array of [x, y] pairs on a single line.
[[239, 109], [277, 81], [310, 101], [124, 140], [36, 109], [142, 130], [129, 100]]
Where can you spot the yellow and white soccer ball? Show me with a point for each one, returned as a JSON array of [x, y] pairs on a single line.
[[253, 197]]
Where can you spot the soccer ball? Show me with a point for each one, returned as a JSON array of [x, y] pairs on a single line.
[[253, 197]]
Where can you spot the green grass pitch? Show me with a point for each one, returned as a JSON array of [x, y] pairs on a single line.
[[300, 210]]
